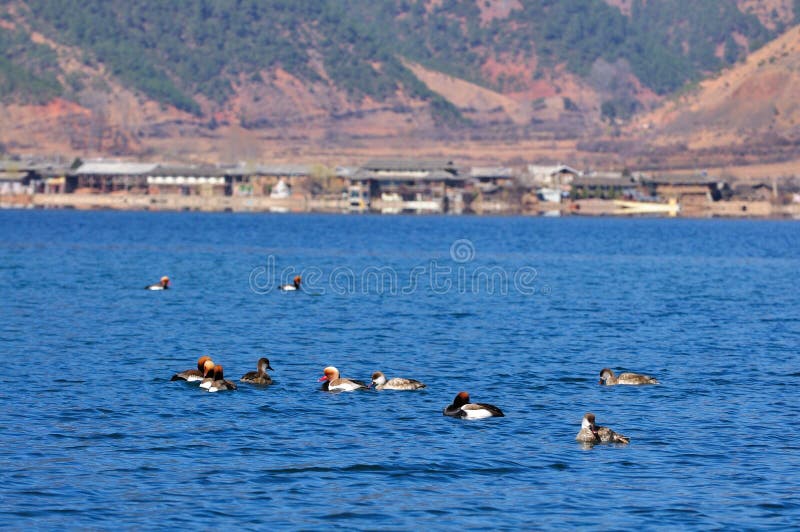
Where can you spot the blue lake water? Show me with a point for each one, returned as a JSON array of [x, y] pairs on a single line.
[[520, 312]]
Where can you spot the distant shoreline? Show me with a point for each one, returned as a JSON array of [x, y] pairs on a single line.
[[177, 203]]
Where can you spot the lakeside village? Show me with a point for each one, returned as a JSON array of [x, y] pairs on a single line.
[[390, 187]]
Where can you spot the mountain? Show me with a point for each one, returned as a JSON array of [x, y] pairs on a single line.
[[756, 95], [122, 77]]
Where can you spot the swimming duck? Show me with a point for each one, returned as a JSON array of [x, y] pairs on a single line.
[[396, 383], [335, 383], [220, 383], [163, 285], [461, 407], [591, 433], [208, 374], [192, 375], [607, 377], [261, 376], [294, 286]]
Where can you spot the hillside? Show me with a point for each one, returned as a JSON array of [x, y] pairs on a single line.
[[123, 77], [752, 105]]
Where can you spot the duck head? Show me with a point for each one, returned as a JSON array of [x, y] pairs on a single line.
[[461, 399], [263, 365], [588, 423], [378, 378], [605, 375], [201, 362], [329, 374]]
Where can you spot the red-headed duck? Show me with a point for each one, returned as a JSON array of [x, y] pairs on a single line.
[[607, 377], [163, 285], [396, 383], [461, 407], [592, 433], [192, 375], [335, 383], [261, 376], [291, 287], [220, 384], [208, 375]]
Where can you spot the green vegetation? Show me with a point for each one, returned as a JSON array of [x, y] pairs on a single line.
[[217, 42], [27, 70], [176, 51]]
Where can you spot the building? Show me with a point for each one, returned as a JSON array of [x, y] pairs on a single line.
[[29, 178], [259, 179], [603, 188], [17, 177], [104, 177], [756, 191], [491, 179], [552, 176], [407, 185], [14, 181], [686, 189], [52, 179], [188, 181]]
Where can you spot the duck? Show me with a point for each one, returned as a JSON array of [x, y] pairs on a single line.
[[592, 433], [291, 287], [607, 377], [162, 285], [208, 374], [396, 383], [220, 383], [261, 376], [335, 383], [192, 375], [462, 408]]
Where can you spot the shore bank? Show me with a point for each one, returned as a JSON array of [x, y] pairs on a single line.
[[588, 207]]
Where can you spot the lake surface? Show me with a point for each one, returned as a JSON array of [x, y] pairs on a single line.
[[520, 312]]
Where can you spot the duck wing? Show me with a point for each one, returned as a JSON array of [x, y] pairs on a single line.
[[255, 377], [636, 378], [607, 435], [188, 374], [404, 384]]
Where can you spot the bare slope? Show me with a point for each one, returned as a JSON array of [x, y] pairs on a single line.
[[754, 99]]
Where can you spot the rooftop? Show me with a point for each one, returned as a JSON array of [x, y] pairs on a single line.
[[435, 175], [114, 168], [603, 182], [536, 169], [410, 164], [491, 171], [682, 180]]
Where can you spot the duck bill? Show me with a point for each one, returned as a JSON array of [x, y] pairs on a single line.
[[323, 378]]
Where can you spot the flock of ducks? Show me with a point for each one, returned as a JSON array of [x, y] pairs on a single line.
[[212, 379], [591, 432]]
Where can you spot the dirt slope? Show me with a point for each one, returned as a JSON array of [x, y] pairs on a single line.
[[755, 98]]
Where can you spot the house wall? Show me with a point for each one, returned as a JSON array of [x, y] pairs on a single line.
[[679, 191]]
